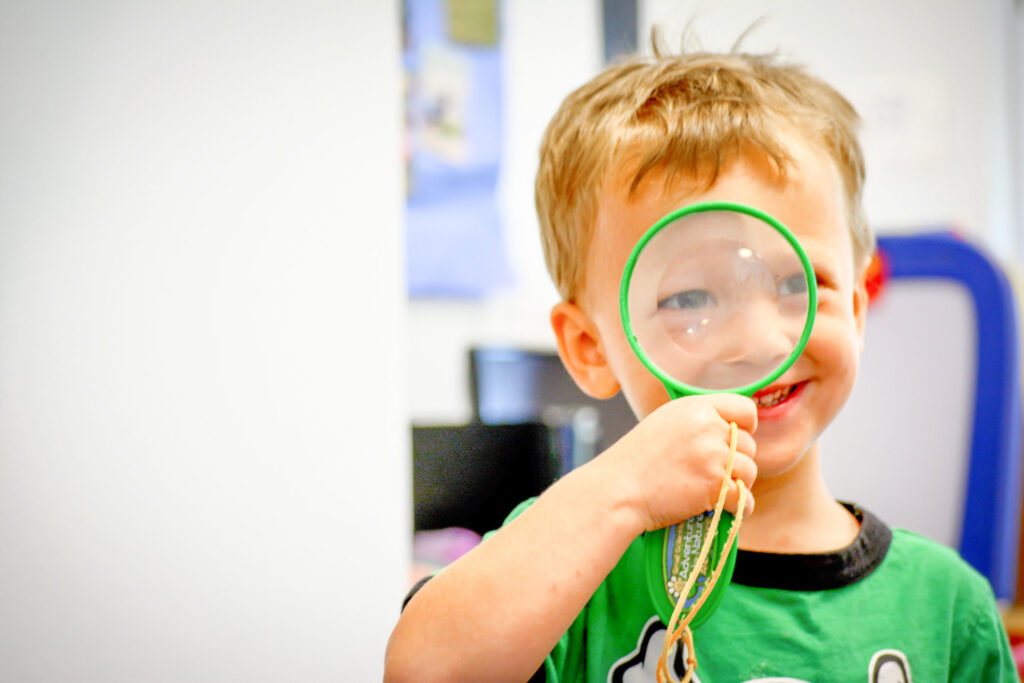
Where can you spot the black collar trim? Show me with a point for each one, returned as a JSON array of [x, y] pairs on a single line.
[[816, 572]]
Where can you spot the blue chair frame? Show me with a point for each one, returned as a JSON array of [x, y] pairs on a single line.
[[990, 534]]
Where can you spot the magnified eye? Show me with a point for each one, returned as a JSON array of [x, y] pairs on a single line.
[[794, 284], [689, 300]]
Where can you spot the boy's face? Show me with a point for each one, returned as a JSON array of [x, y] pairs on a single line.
[[811, 203]]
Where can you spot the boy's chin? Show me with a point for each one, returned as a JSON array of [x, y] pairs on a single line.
[[777, 458]]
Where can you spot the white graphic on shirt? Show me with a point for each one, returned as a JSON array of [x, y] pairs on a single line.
[[640, 665], [889, 666]]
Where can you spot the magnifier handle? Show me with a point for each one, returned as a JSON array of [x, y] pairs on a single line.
[[665, 554], [685, 558]]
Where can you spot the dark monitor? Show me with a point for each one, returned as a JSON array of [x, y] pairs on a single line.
[[517, 385], [472, 476]]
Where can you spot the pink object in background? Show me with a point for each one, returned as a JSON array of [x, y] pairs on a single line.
[[436, 549]]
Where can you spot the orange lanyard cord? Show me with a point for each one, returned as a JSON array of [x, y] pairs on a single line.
[[682, 631]]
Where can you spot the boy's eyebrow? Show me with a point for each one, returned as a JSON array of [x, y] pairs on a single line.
[[821, 258]]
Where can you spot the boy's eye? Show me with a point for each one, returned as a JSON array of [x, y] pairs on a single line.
[[689, 300], [794, 284]]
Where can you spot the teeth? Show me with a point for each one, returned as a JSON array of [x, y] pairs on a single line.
[[774, 398]]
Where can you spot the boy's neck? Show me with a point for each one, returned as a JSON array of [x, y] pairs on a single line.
[[795, 513]]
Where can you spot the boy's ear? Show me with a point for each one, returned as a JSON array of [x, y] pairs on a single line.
[[860, 302], [582, 351]]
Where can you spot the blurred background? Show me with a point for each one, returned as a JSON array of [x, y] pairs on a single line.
[[271, 293]]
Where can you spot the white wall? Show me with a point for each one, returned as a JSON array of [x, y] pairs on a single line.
[[931, 81], [202, 475], [1016, 92]]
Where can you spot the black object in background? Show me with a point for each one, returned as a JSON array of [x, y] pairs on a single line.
[[472, 476]]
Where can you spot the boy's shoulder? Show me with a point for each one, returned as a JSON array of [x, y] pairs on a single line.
[[925, 561], [913, 542], [912, 551]]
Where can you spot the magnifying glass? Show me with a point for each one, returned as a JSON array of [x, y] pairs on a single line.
[[715, 297]]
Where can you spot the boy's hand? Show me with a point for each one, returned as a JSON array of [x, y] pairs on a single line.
[[673, 462]]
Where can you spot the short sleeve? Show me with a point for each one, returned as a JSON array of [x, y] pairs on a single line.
[[984, 649]]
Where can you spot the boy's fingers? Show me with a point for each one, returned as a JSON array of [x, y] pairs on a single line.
[[736, 408], [744, 469], [745, 443], [733, 497]]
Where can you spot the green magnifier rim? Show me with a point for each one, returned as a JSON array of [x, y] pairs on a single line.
[[676, 388]]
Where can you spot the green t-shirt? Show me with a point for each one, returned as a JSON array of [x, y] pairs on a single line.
[[892, 607]]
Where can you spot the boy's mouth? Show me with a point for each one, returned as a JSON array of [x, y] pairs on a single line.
[[774, 396]]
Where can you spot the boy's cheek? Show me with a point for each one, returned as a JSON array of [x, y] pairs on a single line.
[[642, 390], [644, 393]]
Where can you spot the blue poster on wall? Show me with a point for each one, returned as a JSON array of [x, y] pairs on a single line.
[[452, 59]]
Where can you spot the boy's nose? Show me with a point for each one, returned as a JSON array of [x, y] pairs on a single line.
[[760, 336]]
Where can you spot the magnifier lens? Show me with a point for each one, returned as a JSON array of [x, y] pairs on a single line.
[[718, 299]]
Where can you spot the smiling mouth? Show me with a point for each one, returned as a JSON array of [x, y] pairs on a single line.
[[774, 398]]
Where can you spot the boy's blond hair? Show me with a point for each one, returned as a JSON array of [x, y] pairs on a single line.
[[692, 114]]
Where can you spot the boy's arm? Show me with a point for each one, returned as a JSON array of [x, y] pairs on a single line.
[[498, 611]]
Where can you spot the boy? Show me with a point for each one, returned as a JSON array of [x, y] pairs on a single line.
[[822, 590]]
